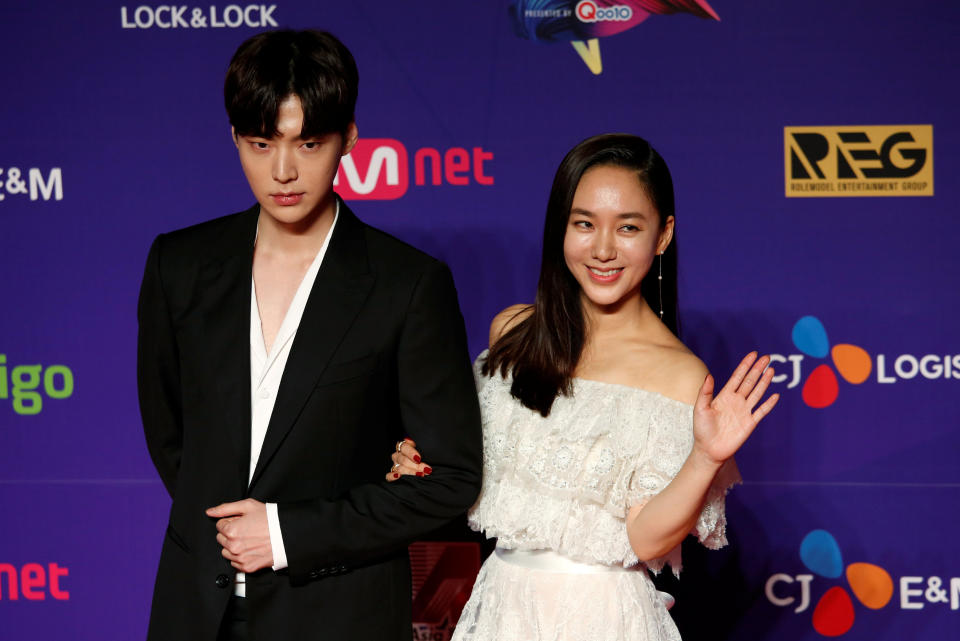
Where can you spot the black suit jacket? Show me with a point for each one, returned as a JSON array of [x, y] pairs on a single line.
[[380, 354]]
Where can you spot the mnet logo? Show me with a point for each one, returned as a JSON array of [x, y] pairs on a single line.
[[859, 161], [588, 11], [379, 169], [33, 582]]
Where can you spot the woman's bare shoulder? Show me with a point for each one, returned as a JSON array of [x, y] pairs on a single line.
[[683, 372], [508, 319]]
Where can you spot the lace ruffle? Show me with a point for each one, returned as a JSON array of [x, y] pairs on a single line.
[[566, 482]]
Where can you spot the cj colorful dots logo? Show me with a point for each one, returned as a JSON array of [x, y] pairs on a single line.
[[852, 362], [835, 611], [872, 585]]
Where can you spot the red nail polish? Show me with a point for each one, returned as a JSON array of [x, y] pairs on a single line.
[[416, 458], [395, 475], [419, 473], [427, 469]]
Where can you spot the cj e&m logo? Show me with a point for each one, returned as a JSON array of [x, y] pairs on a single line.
[[888, 160], [855, 365], [872, 585], [379, 169], [169, 16], [36, 185], [23, 384], [33, 582]]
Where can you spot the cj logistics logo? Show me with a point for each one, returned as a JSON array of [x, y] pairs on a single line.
[[835, 613], [584, 22], [855, 365], [379, 169]]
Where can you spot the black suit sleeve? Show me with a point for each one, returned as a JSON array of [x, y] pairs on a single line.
[[439, 410], [158, 373]]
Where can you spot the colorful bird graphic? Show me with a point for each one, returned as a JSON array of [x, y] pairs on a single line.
[[584, 22]]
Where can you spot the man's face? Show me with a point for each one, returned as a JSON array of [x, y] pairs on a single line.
[[292, 177]]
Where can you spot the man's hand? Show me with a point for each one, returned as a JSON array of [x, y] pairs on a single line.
[[243, 534]]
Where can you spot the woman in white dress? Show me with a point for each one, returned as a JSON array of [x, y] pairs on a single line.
[[604, 443]]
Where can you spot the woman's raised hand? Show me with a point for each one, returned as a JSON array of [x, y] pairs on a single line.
[[723, 422], [406, 460]]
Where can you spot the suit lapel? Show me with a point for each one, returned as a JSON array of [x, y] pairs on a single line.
[[225, 282], [338, 294]]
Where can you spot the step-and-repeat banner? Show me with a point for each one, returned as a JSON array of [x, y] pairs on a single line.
[[813, 147]]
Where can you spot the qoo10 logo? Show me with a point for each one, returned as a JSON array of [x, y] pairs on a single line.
[[855, 365], [588, 11], [873, 587]]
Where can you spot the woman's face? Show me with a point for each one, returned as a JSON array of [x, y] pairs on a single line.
[[613, 235]]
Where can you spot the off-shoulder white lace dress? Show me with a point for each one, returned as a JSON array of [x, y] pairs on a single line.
[[564, 484]]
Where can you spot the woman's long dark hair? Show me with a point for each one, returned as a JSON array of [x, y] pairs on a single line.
[[542, 351]]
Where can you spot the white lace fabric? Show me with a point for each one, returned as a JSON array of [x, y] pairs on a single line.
[[513, 603], [565, 483]]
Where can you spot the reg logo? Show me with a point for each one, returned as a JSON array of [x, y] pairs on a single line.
[[379, 169], [894, 160]]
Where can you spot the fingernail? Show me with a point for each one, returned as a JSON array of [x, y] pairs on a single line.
[[419, 473], [416, 458], [395, 475], [427, 469]]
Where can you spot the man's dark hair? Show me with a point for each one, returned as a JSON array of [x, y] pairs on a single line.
[[269, 67]]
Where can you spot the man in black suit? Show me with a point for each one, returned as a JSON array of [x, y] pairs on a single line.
[[283, 351]]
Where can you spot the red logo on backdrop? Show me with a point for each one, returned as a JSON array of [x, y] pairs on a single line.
[[33, 582], [443, 575], [379, 169], [376, 169]]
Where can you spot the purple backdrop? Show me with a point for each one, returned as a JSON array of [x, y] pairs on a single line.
[[114, 131]]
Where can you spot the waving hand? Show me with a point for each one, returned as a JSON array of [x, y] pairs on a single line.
[[723, 422]]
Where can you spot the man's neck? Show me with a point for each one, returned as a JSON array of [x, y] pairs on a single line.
[[300, 240]]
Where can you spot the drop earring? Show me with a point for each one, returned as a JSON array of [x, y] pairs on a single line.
[[660, 281]]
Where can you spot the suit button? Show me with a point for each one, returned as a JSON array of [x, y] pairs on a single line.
[[342, 569], [314, 574], [222, 580]]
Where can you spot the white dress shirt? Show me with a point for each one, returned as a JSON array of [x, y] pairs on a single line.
[[266, 371]]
